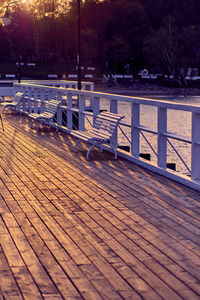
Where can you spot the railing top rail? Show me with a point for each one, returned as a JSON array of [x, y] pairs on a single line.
[[51, 81], [131, 99], [42, 81]]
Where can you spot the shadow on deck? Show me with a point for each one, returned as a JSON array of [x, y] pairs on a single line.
[[103, 229]]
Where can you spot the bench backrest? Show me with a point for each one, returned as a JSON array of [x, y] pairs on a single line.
[[52, 107], [17, 98], [106, 123]]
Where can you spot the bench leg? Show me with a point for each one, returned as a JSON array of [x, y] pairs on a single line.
[[37, 127], [31, 125], [88, 153], [2, 122], [6, 108], [3, 110], [115, 151], [76, 145], [41, 122], [92, 146]]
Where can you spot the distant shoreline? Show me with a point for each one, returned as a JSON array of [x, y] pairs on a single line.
[[146, 89]]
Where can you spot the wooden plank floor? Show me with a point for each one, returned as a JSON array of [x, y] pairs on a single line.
[[103, 229]]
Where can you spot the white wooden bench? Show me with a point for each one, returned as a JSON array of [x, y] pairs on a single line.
[[14, 104], [102, 132], [48, 114]]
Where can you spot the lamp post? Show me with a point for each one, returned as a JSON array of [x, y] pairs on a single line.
[[6, 20], [79, 44]]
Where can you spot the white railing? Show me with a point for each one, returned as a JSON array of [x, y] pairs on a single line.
[[132, 129], [85, 85], [7, 86]]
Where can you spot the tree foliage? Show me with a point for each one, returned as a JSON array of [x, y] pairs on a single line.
[[151, 33]]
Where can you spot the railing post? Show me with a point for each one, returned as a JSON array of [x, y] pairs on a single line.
[[30, 105], [195, 163], [69, 112], [95, 106], [28, 90], [20, 105], [16, 88], [59, 116], [59, 95], [162, 139], [25, 90], [92, 86], [54, 93], [135, 132], [81, 112], [42, 98], [24, 102], [114, 109], [50, 94], [35, 105], [113, 106]]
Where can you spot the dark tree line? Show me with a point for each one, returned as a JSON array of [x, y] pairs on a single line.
[[162, 35]]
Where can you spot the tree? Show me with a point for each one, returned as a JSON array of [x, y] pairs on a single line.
[[191, 45], [121, 32], [163, 47]]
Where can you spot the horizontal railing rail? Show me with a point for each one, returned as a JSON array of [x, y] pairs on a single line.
[[85, 85], [7, 88], [90, 103]]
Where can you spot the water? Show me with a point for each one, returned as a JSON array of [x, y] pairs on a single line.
[[178, 122]]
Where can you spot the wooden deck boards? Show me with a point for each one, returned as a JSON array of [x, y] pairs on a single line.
[[103, 229]]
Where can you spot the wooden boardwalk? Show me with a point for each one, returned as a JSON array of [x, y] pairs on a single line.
[[103, 229]]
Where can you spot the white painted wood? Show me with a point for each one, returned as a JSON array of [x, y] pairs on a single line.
[[69, 112], [114, 109], [81, 98], [195, 146], [35, 105], [95, 106], [135, 132], [29, 104], [59, 116], [162, 138], [113, 106]]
